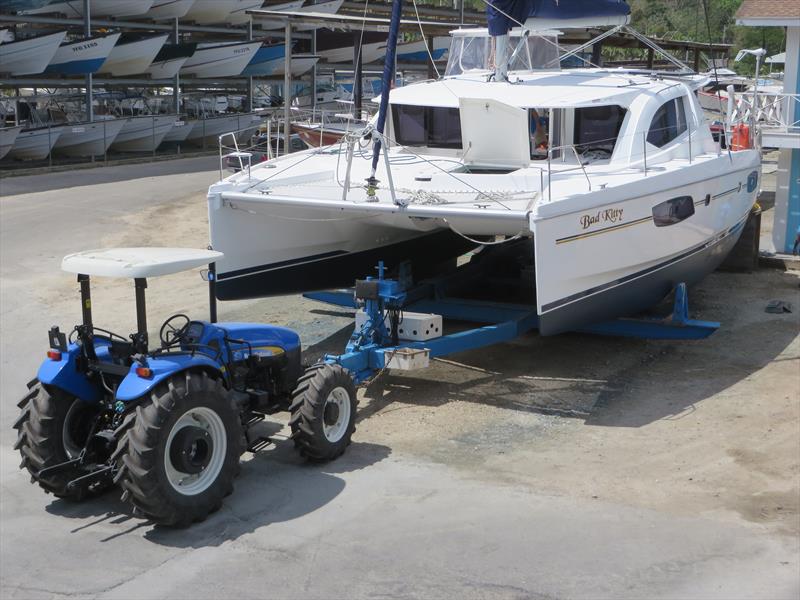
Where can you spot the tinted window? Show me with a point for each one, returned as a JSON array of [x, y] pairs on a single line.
[[598, 126], [432, 126], [668, 123], [673, 211]]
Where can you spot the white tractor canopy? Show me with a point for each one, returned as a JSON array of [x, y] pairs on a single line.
[[134, 263]]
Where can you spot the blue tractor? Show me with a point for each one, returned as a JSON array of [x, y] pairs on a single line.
[[168, 424]]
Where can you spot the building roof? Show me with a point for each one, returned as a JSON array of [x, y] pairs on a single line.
[[762, 12]]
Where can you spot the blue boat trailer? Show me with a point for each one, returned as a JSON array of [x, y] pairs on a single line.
[[376, 345]]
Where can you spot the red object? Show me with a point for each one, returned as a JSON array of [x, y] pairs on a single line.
[[144, 372], [54, 354], [740, 137]]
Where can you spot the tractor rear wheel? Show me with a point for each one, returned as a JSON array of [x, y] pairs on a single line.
[[323, 412], [53, 428], [181, 455]]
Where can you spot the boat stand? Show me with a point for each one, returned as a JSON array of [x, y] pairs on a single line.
[[376, 345]]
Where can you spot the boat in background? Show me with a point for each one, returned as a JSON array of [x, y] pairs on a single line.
[[714, 96], [329, 8], [207, 12], [327, 129], [239, 16], [143, 133], [418, 51], [169, 60], [220, 60], [98, 8], [87, 139], [181, 128], [7, 137], [82, 57], [35, 143], [169, 9], [206, 132], [132, 55], [369, 53], [29, 56], [270, 61]]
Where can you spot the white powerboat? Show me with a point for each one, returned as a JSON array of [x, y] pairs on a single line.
[[82, 57], [35, 143], [207, 131], [369, 53], [98, 8], [132, 55], [220, 60], [169, 60], [143, 133], [181, 128], [714, 96], [169, 9], [326, 8], [7, 137], [270, 61], [613, 176], [88, 139], [29, 56], [206, 12]]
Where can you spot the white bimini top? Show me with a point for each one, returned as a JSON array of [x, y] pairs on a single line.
[[136, 263]]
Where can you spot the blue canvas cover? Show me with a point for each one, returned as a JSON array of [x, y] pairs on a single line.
[[520, 10]]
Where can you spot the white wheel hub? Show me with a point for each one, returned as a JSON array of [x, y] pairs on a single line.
[[195, 451], [336, 414]]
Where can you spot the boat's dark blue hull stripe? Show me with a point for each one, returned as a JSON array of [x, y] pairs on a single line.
[[600, 288], [338, 268]]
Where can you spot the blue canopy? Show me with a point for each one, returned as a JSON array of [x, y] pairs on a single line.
[[520, 10]]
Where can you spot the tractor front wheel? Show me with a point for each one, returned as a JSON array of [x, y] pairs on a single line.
[[323, 412], [180, 457], [53, 428]]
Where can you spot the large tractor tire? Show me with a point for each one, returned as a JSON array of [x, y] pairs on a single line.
[[323, 412], [53, 428], [179, 458]]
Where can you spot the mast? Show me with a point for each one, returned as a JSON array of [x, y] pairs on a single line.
[[386, 85]]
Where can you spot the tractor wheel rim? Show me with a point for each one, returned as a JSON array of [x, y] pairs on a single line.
[[74, 432], [206, 419], [337, 404]]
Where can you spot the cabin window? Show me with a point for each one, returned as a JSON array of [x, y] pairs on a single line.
[[431, 126], [668, 123], [597, 127]]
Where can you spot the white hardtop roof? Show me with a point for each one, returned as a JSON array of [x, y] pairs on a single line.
[[137, 262], [483, 32], [554, 89]]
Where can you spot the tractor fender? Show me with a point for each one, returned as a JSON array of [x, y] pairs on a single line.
[[64, 374], [134, 386]]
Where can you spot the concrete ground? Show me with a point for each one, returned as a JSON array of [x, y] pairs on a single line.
[[559, 467]]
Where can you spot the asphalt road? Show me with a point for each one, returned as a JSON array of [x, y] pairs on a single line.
[[678, 478]]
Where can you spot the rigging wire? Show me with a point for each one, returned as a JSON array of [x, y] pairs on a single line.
[[716, 77], [424, 41]]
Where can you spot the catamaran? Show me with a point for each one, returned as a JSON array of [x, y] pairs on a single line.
[[612, 175]]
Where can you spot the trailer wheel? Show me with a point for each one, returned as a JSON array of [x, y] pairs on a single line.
[[323, 412], [181, 455], [53, 428]]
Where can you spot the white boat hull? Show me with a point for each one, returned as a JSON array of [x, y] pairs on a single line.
[[220, 60], [143, 134], [328, 8], [205, 12], [207, 131], [31, 56], [84, 56], [132, 58], [166, 69], [99, 8], [180, 130], [239, 16], [169, 9], [35, 144], [88, 139], [369, 53], [7, 137]]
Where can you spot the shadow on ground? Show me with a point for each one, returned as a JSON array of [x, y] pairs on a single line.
[[274, 486]]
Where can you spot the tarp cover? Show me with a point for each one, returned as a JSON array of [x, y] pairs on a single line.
[[520, 10]]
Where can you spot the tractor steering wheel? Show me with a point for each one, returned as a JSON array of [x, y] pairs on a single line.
[[172, 331]]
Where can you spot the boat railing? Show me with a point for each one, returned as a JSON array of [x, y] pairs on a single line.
[[767, 110]]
